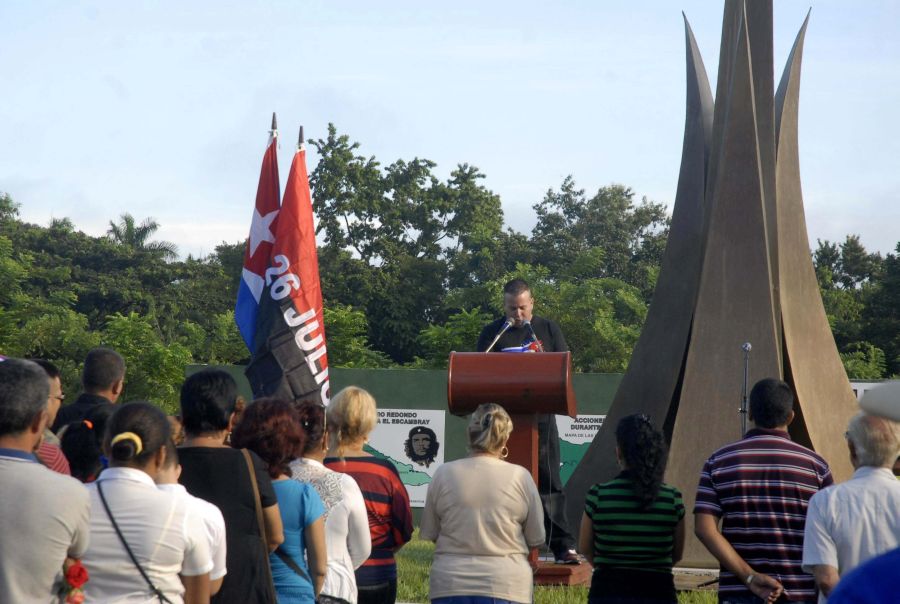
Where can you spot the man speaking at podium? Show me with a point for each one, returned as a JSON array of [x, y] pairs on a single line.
[[520, 331]]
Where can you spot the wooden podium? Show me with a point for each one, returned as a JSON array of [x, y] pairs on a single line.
[[526, 385]]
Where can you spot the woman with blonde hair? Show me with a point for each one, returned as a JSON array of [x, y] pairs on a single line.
[[485, 516], [351, 416]]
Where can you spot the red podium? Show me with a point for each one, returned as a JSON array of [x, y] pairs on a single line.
[[525, 384]]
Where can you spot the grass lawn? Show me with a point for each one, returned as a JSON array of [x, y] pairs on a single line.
[[414, 564]]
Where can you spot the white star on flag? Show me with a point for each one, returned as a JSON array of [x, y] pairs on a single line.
[[260, 229]]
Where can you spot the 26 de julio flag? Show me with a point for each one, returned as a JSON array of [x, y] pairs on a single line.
[[289, 357], [258, 251]]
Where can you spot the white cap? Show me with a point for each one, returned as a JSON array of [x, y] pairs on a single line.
[[883, 400]]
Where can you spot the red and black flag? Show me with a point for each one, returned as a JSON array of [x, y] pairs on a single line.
[[289, 357]]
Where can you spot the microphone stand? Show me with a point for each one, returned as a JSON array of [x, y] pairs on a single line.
[[743, 409], [534, 335], [502, 331]]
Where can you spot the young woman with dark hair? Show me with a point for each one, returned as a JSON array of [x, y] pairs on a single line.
[[271, 428], [632, 530], [212, 470], [145, 543], [346, 521], [82, 443]]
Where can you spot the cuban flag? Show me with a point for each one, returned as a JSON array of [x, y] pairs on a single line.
[[258, 252], [288, 353]]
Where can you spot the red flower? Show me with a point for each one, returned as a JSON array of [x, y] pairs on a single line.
[[76, 597], [76, 575]]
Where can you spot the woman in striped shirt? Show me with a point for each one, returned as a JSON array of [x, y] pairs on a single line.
[[351, 417], [632, 530]]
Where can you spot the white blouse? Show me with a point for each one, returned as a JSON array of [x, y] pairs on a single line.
[[166, 537], [213, 524], [346, 525]]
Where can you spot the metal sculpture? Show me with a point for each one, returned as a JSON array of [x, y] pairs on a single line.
[[737, 269]]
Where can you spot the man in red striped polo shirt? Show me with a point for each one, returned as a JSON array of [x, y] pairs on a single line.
[[759, 488]]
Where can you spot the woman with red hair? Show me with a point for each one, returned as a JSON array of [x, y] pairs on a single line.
[[270, 428]]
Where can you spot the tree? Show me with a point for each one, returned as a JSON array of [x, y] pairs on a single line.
[[155, 368], [230, 256], [459, 334], [392, 235], [864, 362], [881, 315], [9, 209], [616, 238], [847, 265], [137, 237], [346, 330]]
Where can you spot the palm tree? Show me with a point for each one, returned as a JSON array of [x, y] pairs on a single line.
[[136, 237]]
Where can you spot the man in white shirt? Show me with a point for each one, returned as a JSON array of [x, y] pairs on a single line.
[[209, 515], [852, 522], [43, 515]]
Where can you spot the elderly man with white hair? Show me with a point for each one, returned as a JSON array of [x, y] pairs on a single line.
[[850, 523]]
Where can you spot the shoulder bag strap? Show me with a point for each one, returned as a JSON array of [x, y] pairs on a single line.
[[286, 558], [278, 552], [156, 591], [257, 503]]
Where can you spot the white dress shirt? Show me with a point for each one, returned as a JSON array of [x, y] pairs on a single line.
[[849, 523], [213, 524], [166, 537], [347, 536]]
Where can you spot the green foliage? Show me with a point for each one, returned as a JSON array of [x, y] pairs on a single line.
[[9, 209], [881, 317], [604, 236], [864, 362], [346, 331], [398, 236], [155, 369], [861, 294], [225, 346], [137, 237], [458, 334]]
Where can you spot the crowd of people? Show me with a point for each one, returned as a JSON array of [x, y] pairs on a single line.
[[280, 501], [275, 502]]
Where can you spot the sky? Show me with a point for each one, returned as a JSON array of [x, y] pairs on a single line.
[[162, 109]]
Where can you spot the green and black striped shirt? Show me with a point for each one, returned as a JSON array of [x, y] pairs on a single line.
[[626, 536]]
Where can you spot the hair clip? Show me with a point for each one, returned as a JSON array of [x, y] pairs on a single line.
[[138, 445], [88, 423]]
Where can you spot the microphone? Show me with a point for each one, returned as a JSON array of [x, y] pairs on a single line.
[[746, 347], [527, 325], [506, 325]]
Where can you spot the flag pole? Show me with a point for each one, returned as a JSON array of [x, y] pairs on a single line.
[[274, 123], [300, 140]]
